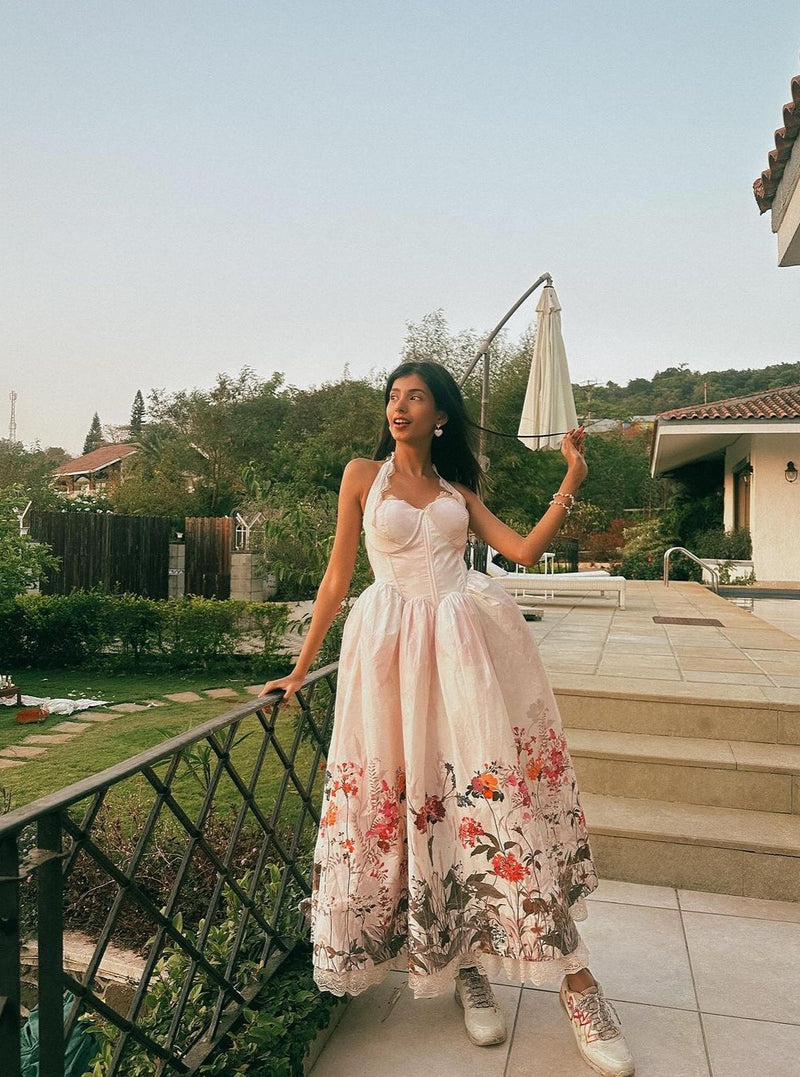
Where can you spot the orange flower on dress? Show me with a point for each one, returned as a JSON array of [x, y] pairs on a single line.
[[534, 768], [348, 844], [330, 816]]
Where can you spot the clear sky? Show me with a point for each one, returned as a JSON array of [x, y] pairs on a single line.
[[190, 187]]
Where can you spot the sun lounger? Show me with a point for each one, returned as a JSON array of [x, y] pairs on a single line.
[[527, 586]]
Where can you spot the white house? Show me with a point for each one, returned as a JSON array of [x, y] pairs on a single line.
[[758, 438], [778, 188]]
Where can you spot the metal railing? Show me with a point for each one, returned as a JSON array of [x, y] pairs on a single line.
[[711, 569], [196, 852]]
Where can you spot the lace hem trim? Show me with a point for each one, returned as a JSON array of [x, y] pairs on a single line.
[[535, 973]]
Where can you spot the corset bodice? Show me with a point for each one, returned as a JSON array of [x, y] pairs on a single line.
[[419, 552]]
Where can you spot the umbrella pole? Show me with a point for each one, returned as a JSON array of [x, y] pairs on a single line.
[[483, 352]]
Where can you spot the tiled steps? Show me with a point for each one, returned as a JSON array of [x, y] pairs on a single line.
[[717, 773], [695, 813], [681, 714], [695, 847]]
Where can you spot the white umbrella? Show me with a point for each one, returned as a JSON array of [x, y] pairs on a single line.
[[549, 406]]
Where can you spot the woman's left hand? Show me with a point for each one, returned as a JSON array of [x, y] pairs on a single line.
[[572, 449]]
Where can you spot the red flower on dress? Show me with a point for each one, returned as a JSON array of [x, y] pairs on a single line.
[[508, 867], [469, 831], [431, 812]]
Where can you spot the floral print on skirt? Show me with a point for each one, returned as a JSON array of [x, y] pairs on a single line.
[[451, 831]]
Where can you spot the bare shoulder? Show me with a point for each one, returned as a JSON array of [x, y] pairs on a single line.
[[361, 469], [469, 496], [358, 476]]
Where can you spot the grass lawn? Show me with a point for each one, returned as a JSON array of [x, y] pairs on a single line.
[[107, 743]]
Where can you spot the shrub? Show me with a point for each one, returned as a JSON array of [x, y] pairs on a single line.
[[606, 545], [643, 554], [95, 628], [137, 623], [62, 630], [724, 545], [200, 629]]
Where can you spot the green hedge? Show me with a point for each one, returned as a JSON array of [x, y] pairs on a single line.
[[91, 628]]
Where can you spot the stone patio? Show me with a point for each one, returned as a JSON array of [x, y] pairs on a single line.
[[705, 985], [686, 741]]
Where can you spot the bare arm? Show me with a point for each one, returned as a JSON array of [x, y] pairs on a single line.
[[527, 549], [355, 481]]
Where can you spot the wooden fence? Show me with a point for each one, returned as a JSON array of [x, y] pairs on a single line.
[[209, 541], [117, 553]]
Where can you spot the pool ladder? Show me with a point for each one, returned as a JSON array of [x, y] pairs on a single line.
[[688, 553]]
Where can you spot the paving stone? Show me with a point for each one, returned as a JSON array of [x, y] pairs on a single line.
[[221, 693], [6, 763], [184, 697], [102, 717], [46, 738], [127, 708], [253, 689], [20, 752], [69, 727]]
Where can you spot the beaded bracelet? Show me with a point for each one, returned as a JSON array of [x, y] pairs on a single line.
[[567, 504]]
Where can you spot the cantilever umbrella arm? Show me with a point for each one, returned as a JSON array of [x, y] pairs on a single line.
[[483, 351]]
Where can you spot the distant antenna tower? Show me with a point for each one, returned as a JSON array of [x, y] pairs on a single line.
[[12, 426]]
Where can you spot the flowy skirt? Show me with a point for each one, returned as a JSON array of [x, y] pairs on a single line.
[[451, 831]]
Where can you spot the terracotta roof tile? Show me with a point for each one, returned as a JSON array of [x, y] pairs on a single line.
[[773, 404], [96, 460], [766, 185]]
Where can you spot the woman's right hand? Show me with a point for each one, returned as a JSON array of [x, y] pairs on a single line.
[[288, 685]]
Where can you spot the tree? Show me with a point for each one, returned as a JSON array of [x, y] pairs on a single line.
[[94, 439], [137, 415], [22, 561], [30, 472], [221, 431]]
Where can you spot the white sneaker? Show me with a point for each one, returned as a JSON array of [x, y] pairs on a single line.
[[596, 1023], [483, 1018]]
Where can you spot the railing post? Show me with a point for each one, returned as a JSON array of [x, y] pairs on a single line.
[[51, 948], [9, 957]]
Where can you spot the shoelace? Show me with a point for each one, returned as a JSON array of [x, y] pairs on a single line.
[[480, 993], [605, 1019]]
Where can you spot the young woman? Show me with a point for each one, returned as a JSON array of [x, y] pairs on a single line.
[[452, 842]]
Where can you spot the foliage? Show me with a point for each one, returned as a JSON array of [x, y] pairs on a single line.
[[220, 431], [298, 538], [94, 438], [606, 545], [28, 471], [678, 386], [137, 414], [584, 520], [89, 628], [324, 428], [645, 543], [22, 561], [280, 1025], [724, 545]]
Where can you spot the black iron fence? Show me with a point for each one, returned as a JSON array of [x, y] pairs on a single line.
[[190, 858]]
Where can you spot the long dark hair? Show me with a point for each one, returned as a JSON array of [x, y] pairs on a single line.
[[452, 454]]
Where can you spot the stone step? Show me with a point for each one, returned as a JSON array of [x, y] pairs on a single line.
[[726, 774], [695, 847], [682, 713]]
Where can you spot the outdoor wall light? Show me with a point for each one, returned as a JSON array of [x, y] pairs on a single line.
[[790, 472]]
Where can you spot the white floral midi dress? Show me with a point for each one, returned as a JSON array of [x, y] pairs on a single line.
[[451, 830]]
